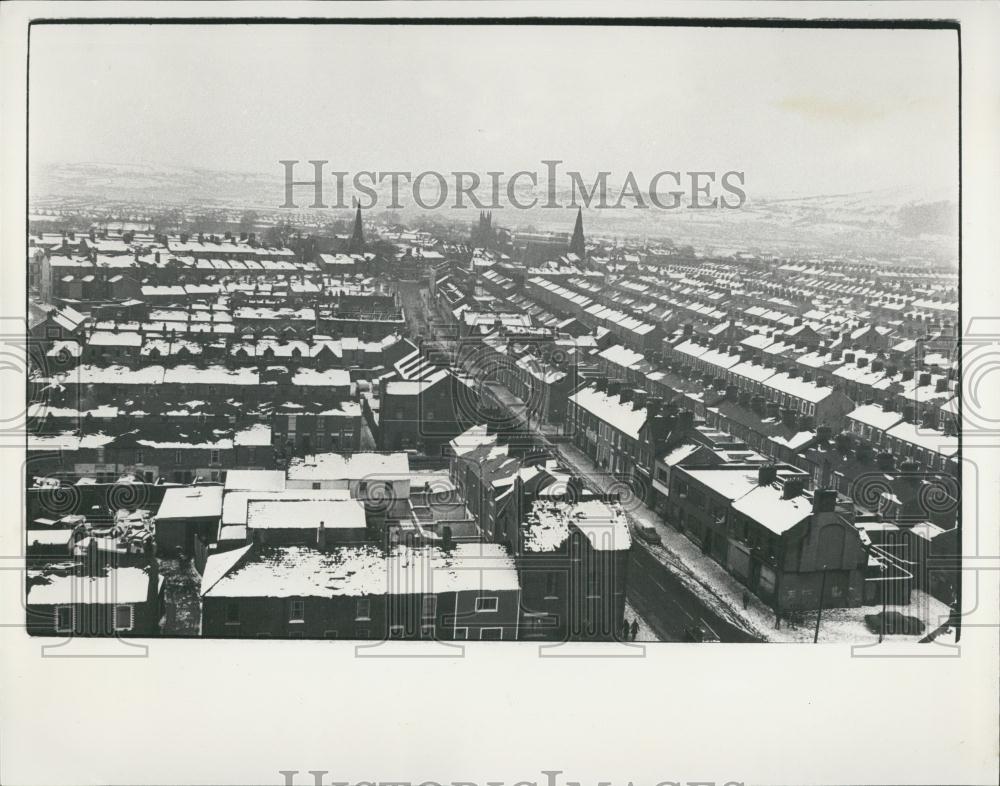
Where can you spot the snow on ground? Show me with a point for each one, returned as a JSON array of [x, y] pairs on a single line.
[[645, 633], [724, 593]]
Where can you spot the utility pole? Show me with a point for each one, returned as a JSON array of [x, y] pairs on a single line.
[[819, 614], [885, 587]]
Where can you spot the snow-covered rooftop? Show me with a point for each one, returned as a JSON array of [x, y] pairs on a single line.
[[191, 502], [874, 416], [255, 480], [622, 356], [928, 439], [550, 523], [259, 434], [610, 409], [296, 571], [471, 439], [333, 377], [117, 585], [767, 506], [357, 466], [235, 503], [305, 514]]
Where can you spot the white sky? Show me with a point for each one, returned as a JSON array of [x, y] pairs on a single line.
[[803, 111]]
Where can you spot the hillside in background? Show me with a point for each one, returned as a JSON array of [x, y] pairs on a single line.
[[888, 224]]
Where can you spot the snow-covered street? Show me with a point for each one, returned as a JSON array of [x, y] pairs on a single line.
[[722, 593]]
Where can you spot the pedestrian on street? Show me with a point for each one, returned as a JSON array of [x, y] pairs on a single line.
[[635, 629]]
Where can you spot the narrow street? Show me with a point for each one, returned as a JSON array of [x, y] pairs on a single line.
[[663, 588], [674, 595], [669, 607]]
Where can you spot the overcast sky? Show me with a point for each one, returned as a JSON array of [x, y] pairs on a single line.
[[801, 111]]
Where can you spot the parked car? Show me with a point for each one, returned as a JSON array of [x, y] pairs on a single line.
[[647, 533]]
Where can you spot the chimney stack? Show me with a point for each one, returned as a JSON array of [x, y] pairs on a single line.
[[824, 501], [766, 474], [906, 488], [792, 487]]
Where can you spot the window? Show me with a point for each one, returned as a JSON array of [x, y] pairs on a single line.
[[123, 618], [251, 455], [232, 613], [491, 634], [214, 457], [317, 485], [364, 609], [362, 487], [427, 631], [64, 619], [429, 606], [395, 631], [178, 457], [461, 633], [487, 604], [297, 611], [331, 634], [140, 457]]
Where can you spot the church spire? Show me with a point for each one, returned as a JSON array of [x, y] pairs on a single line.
[[576, 245], [357, 245]]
